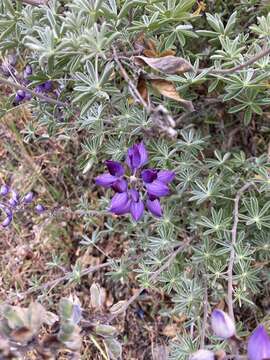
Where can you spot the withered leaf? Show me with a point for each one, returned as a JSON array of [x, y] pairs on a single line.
[[168, 89], [142, 88], [21, 335], [167, 64]]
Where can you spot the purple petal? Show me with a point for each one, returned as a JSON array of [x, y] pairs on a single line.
[[259, 344], [154, 207], [136, 210], [115, 168], [123, 210], [106, 180], [28, 198], [4, 190], [134, 195], [120, 185], [222, 325], [143, 153], [166, 176], [149, 175], [47, 85], [40, 208], [7, 221], [119, 202], [157, 188], [136, 156], [27, 71]]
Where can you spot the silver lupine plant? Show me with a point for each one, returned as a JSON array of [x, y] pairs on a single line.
[[188, 81]]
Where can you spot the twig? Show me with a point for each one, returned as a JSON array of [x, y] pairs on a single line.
[[134, 91], [33, 93], [55, 282], [238, 67], [35, 2], [155, 275], [233, 243], [205, 315]]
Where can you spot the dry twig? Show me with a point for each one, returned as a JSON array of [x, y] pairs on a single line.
[[233, 243]]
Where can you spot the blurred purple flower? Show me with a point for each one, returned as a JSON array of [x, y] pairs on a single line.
[[40, 208], [28, 71], [259, 344], [222, 325], [45, 87], [140, 189], [11, 202], [4, 190]]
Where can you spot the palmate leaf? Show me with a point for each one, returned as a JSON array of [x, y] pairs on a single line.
[[202, 192], [256, 215]]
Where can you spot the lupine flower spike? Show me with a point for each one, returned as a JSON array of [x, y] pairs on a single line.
[[138, 188], [259, 344], [223, 326]]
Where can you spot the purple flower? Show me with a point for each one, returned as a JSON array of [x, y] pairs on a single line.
[[28, 198], [40, 208], [19, 97], [4, 190], [15, 199], [259, 344], [27, 71], [222, 325], [6, 221], [139, 189], [45, 87], [137, 156]]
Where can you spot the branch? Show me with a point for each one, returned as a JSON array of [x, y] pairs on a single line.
[[33, 93], [153, 277], [233, 243], [35, 2], [238, 67], [133, 89], [205, 316]]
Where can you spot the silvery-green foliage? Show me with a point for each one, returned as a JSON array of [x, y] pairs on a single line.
[[73, 45]]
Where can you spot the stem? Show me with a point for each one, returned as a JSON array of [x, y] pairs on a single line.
[[205, 316], [35, 2], [239, 67], [33, 93], [154, 276], [233, 243]]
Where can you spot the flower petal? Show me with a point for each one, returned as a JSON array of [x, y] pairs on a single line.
[[143, 154], [106, 180], [119, 202], [120, 185], [7, 221], [222, 325], [154, 207], [134, 194], [259, 344], [166, 176], [149, 175], [157, 188], [115, 168], [4, 190], [136, 210]]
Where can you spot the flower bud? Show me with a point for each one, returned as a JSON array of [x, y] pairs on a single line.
[[7, 221], [259, 344], [40, 208], [14, 201], [4, 190], [222, 325], [28, 197], [203, 354], [27, 71]]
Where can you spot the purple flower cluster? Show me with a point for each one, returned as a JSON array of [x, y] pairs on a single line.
[[22, 95], [139, 188], [11, 202]]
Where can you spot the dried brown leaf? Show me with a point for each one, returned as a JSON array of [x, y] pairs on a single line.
[[170, 330], [167, 64], [142, 88], [168, 89], [22, 335]]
